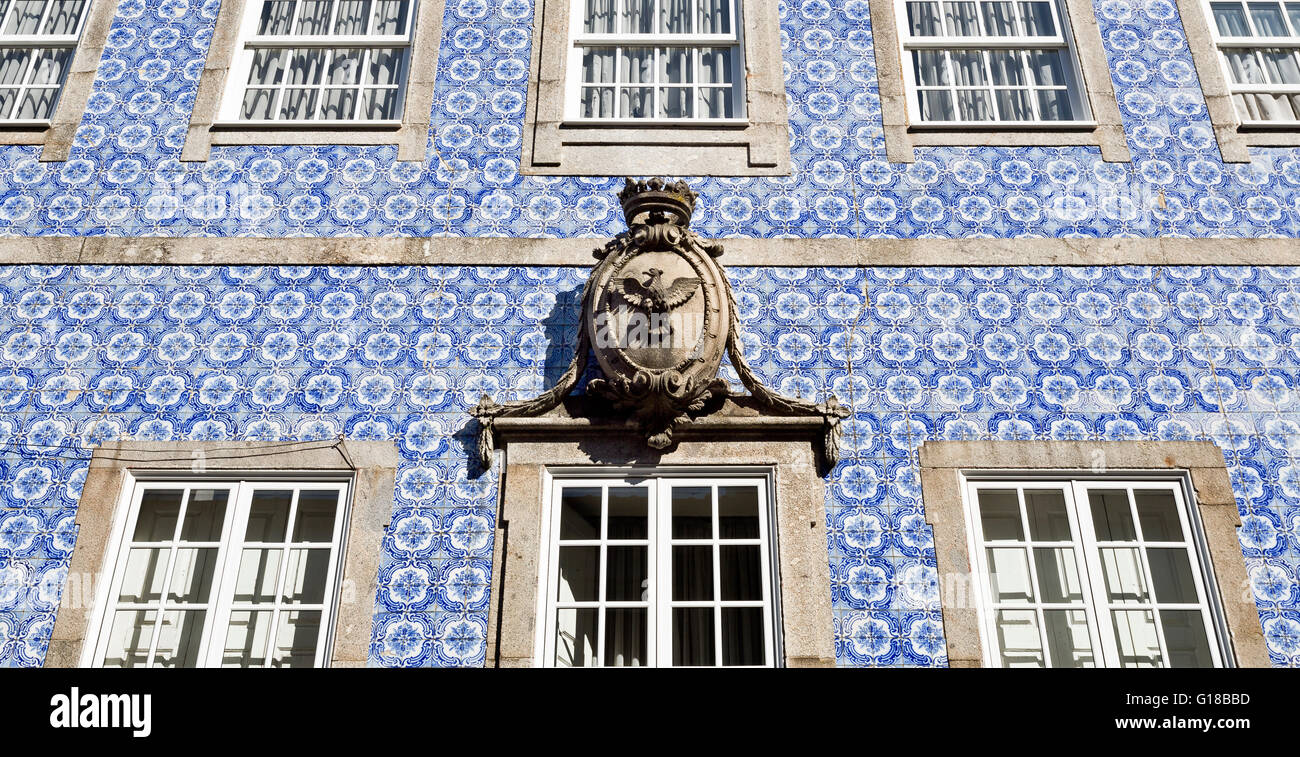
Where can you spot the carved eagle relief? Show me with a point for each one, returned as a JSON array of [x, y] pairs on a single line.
[[652, 294]]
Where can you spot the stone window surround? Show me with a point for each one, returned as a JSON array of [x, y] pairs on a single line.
[[56, 137], [901, 137], [411, 137], [1234, 137], [372, 467], [1201, 464], [533, 446], [758, 147]]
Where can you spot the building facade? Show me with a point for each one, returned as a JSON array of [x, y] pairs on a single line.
[[263, 260]]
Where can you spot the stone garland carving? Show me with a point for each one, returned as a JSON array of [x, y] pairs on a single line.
[[658, 313]]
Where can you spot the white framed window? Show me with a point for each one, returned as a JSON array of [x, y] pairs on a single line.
[[1092, 573], [313, 61], [656, 60], [221, 574], [37, 41], [1258, 43], [990, 62], [658, 570]]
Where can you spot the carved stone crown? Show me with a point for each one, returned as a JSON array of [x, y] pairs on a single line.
[[675, 199]]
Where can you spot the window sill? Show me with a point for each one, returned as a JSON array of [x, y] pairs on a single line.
[[1001, 126], [387, 125], [655, 123], [1110, 140]]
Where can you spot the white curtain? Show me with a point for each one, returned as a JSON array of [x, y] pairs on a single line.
[[64, 16], [1269, 66], [26, 16], [276, 18], [675, 17], [961, 19], [352, 17]]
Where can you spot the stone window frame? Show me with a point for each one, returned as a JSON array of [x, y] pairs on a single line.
[[55, 137], [1235, 138], [411, 137], [530, 448], [116, 467], [759, 145], [943, 466], [902, 137]]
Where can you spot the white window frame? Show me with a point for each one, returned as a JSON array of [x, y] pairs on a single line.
[[39, 42], [1256, 45], [220, 603], [579, 40], [248, 42], [1089, 571], [659, 558], [1063, 41]]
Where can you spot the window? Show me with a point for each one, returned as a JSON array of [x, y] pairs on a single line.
[[613, 82], [1258, 43], [321, 60], [37, 41], [657, 59], [224, 573], [1091, 573], [659, 571], [990, 61]]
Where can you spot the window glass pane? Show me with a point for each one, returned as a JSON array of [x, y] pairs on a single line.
[[299, 104], [716, 65], [598, 64], [999, 19], [1018, 639], [968, 68], [675, 16], [1048, 68], [1280, 66], [599, 17], [352, 16], [386, 65], [379, 104], [693, 636], [1014, 105], [579, 574], [246, 639], [626, 579], [345, 67], [715, 17], [1123, 570], [626, 642], [259, 569], [1058, 576], [268, 515], [25, 17], [7, 99], [936, 106], [1008, 69], [742, 572], [50, 66], [37, 103], [637, 16], [738, 512], [742, 636], [627, 512], [276, 17], [1054, 105], [295, 639], [929, 68], [716, 102], [692, 573], [597, 102], [960, 19], [13, 65], [636, 65], [64, 17], [692, 512], [1111, 516], [178, 639], [314, 17], [1244, 67], [205, 515], [314, 520], [1185, 638], [1230, 19], [305, 580], [1009, 575], [1048, 520], [390, 17], [1158, 515], [675, 65], [143, 578], [1036, 19], [924, 19], [1293, 14], [1135, 631], [1268, 19], [259, 104], [159, 509], [1067, 638], [192, 575], [575, 638], [580, 513], [1171, 575], [1000, 515], [305, 66], [129, 638]]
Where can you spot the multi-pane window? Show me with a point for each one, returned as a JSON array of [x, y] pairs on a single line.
[[675, 60], [229, 574], [659, 571], [990, 61], [1258, 43], [321, 60], [1091, 573], [37, 41]]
